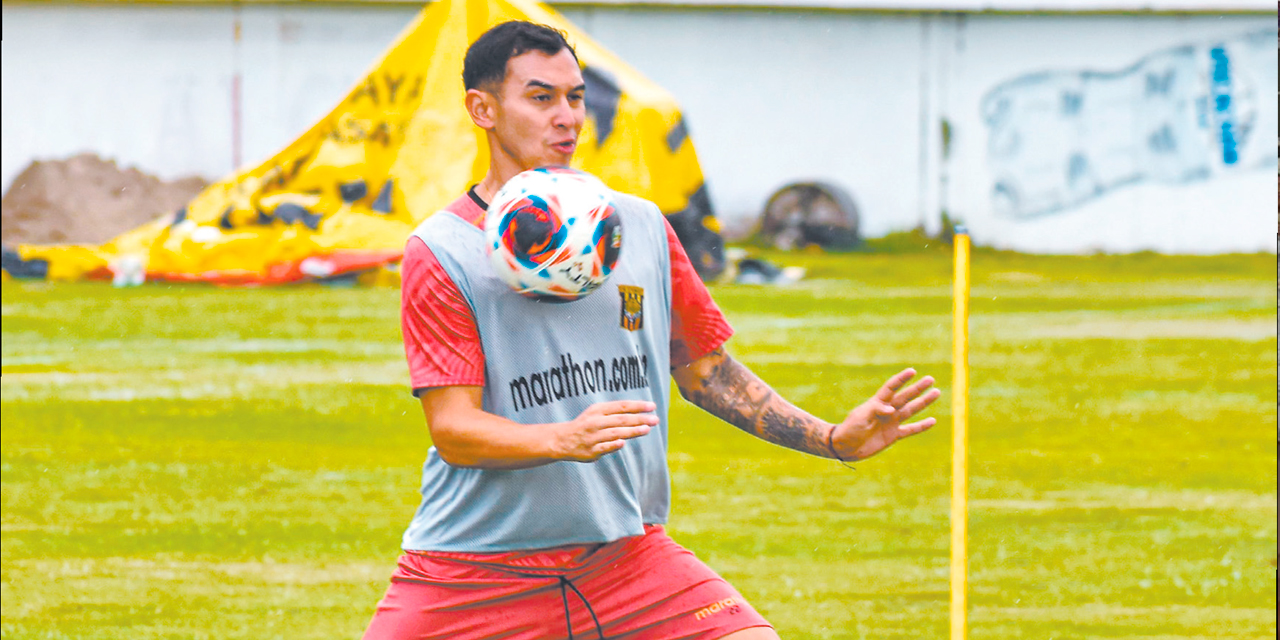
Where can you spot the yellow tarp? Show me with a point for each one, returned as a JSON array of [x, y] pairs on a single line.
[[345, 195]]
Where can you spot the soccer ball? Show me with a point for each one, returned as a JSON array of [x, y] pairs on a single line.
[[552, 233]]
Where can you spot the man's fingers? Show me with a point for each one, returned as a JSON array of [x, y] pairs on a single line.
[[871, 410], [605, 448], [916, 427], [910, 393], [612, 439], [622, 433], [919, 404], [622, 406], [885, 394], [625, 420]]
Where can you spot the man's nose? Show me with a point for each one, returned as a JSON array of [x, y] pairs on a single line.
[[565, 114]]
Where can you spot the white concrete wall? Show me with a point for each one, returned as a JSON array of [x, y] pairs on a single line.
[[858, 99], [149, 87], [771, 97], [1145, 132], [153, 85]]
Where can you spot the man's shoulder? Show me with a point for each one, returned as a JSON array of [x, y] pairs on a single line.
[[424, 229], [635, 203], [635, 207], [463, 207]]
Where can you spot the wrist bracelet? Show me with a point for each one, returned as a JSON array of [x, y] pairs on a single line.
[[831, 446]]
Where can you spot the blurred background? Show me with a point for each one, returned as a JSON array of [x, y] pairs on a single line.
[[1044, 125]]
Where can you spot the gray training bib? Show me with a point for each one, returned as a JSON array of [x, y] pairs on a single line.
[[546, 362]]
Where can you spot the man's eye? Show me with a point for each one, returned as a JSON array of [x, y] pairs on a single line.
[[542, 97], [575, 97]]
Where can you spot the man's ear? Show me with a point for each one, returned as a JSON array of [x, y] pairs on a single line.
[[482, 107]]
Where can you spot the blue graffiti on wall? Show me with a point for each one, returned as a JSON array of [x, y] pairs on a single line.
[[1062, 138], [1221, 91]]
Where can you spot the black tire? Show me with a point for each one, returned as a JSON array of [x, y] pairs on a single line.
[[810, 213]]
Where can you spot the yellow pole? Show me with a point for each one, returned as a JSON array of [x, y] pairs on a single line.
[[960, 438]]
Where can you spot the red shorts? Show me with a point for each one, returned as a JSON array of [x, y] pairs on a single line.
[[641, 588]]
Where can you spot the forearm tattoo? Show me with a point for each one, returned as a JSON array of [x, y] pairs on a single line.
[[733, 393]]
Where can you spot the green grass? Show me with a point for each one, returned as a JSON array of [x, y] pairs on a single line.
[[193, 462]]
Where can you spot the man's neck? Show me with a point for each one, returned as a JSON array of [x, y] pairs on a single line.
[[502, 167], [489, 186]]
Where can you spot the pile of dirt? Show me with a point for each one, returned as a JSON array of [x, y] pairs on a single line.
[[86, 200]]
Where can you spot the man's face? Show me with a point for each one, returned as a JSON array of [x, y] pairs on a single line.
[[540, 109]]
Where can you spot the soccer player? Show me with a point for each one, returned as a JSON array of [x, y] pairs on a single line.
[[545, 493]]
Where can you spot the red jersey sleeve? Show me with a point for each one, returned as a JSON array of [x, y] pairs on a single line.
[[441, 341], [697, 325]]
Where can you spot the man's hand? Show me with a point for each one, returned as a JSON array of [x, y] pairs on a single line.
[[878, 422], [602, 428], [728, 390]]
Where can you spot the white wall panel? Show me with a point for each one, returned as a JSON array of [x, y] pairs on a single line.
[[1184, 201], [772, 98], [152, 85], [149, 87]]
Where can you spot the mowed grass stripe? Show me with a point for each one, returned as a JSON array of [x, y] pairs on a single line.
[[211, 381]]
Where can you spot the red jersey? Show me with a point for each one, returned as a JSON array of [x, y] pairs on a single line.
[[442, 344]]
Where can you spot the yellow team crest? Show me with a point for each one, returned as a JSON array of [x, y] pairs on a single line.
[[632, 306]]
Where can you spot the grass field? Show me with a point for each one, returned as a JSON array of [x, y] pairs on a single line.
[[192, 462]]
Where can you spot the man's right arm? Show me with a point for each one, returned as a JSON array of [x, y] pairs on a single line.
[[467, 436], [441, 340]]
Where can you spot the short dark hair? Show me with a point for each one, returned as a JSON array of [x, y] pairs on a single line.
[[486, 60]]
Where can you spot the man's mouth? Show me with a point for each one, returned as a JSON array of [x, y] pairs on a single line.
[[566, 146]]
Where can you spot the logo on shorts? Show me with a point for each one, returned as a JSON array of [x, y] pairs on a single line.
[[728, 604], [632, 306]]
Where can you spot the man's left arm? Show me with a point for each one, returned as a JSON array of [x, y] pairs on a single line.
[[730, 391]]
